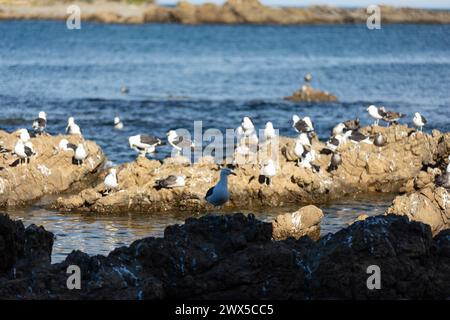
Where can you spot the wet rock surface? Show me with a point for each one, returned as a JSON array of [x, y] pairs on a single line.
[[50, 171], [308, 94], [231, 12], [234, 257], [365, 169], [430, 205]]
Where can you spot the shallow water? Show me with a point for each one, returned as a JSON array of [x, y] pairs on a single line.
[[99, 234], [178, 74]]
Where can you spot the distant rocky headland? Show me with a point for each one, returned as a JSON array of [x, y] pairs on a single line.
[[231, 12]]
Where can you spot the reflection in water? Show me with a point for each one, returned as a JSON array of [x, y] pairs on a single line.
[[99, 234]]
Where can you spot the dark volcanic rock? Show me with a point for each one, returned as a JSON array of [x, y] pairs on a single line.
[[234, 257]]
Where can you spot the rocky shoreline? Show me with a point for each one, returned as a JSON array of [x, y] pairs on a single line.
[[399, 166], [235, 257], [232, 12]]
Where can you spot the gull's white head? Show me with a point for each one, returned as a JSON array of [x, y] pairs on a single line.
[[133, 140], [295, 118], [63, 144], [339, 129], [42, 115], [172, 134], [269, 125], [116, 120], [71, 120], [113, 171]]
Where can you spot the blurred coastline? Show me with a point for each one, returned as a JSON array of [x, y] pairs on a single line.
[[231, 12]]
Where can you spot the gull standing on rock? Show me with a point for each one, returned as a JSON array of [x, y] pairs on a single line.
[[110, 181], [419, 121], [304, 125], [40, 123], [379, 140], [144, 143], [336, 160], [80, 154], [269, 132], [219, 195], [24, 150], [375, 114], [268, 171], [118, 124], [72, 127], [390, 116]]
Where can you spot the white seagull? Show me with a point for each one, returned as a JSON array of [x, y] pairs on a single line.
[[72, 127], [144, 144], [40, 123], [304, 125], [269, 131], [219, 195], [118, 124], [80, 154], [374, 113], [419, 120], [179, 142], [110, 181], [65, 145], [23, 150], [298, 150], [269, 171]]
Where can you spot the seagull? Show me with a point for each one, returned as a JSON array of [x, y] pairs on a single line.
[[65, 145], [419, 120], [118, 124], [23, 150], [356, 136], [40, 123], [302, 125], [124, 90], [390, 116], [269, 171], [379, 140], [171, 181], [110, 181], [374, 113], [179, 142], [72, 127], [308, 78], [247, 125], [269, 132], [144, 143], [338, 129], [353, 124], [219, 195], [307, 157], [336, 160], [80, 154]]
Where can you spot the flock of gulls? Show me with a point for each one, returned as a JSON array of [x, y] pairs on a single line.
[[246, 135]]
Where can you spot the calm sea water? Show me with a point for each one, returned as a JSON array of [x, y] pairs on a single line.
[[218, 74]]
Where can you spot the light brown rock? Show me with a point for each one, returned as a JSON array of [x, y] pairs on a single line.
[[305, 221], [49, 171]]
